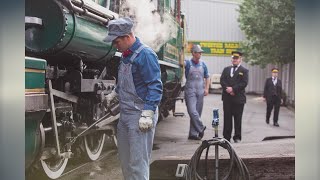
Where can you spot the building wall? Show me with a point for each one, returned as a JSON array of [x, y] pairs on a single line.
[[214, 20]]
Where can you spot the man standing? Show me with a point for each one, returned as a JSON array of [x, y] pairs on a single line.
[[139, 89], [272, 94], [197, 86], [234, 80]]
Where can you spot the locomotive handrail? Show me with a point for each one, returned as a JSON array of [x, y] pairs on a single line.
[[91, 11], [95, 8]]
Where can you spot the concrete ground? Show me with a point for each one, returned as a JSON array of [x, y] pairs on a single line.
[[171, 139]]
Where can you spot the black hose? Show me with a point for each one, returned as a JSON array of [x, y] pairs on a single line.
[[206, 169], [237, 168]]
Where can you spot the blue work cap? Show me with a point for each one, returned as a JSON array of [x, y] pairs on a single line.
[[196, 48], [118, 27]]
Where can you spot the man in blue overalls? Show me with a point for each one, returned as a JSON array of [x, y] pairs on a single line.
[[139, 89], [197, 86]]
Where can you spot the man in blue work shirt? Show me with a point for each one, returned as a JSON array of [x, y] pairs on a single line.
[[139, 89], [197, 86]]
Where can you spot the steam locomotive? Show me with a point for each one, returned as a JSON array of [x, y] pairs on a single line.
[[68, 71]]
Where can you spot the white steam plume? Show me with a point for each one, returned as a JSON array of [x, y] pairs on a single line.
[[148, 26]]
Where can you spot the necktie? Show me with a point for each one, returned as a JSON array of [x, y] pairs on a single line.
[[234, 69]]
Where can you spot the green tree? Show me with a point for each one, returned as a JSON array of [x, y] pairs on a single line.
[[269, 26]]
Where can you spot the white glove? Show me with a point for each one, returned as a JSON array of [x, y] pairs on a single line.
[[146, 120], [108, 98]]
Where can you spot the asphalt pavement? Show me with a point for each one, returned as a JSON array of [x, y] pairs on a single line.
[[171, 139], [259, 140]]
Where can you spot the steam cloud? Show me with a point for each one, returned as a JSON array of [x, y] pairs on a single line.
[[148, 25]]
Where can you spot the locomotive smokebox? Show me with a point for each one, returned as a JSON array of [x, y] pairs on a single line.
[[53, 30]]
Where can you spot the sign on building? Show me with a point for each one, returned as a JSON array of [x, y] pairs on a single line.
[[214, 48]]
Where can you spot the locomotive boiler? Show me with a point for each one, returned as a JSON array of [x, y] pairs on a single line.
[[68, 71]]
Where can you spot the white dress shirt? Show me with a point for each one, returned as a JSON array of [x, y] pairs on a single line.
[[274, 80], [233, 70]]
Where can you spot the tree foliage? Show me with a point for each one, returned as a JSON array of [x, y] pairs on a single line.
[[269, 26]]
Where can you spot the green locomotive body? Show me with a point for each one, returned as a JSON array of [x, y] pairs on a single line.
[[68, 71], [35, 108]]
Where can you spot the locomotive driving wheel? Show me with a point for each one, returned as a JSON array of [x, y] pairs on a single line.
[[53, 167], [94, 144]]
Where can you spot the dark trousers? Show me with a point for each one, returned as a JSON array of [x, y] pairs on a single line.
[[232, 110], [275, 102]]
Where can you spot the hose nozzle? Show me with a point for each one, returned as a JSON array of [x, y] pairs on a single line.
[[215, 120]]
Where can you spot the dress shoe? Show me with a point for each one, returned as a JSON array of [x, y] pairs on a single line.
[[194, 138], [237, 140], [267, 121], [202, 132], [276, 124]]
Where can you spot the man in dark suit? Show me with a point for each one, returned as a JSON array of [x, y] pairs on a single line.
[[272, 95], [234, 80]]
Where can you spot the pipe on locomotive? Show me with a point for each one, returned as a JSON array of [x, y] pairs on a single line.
[[95, 8], [91, 10]]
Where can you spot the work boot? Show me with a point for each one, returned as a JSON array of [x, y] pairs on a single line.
[[194, 138], [202, 132], [237, 140]]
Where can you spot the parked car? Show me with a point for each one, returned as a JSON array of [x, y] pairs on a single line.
[[215, 86]]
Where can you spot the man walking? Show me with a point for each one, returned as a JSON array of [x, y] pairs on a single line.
[[139, 89], [234, 80], [197, 86], [272, 94]]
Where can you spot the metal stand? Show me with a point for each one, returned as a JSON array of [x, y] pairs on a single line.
[[215, 124], [216, 153]]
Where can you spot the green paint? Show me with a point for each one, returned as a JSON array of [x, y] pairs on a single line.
[[35, 63], [169, 52], [170, 75], [47, 36], [34, 80], [64, 31], [102, 3], [32, 143], [88, 39]]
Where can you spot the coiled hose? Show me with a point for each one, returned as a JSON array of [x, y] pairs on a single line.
[[237, 169]]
